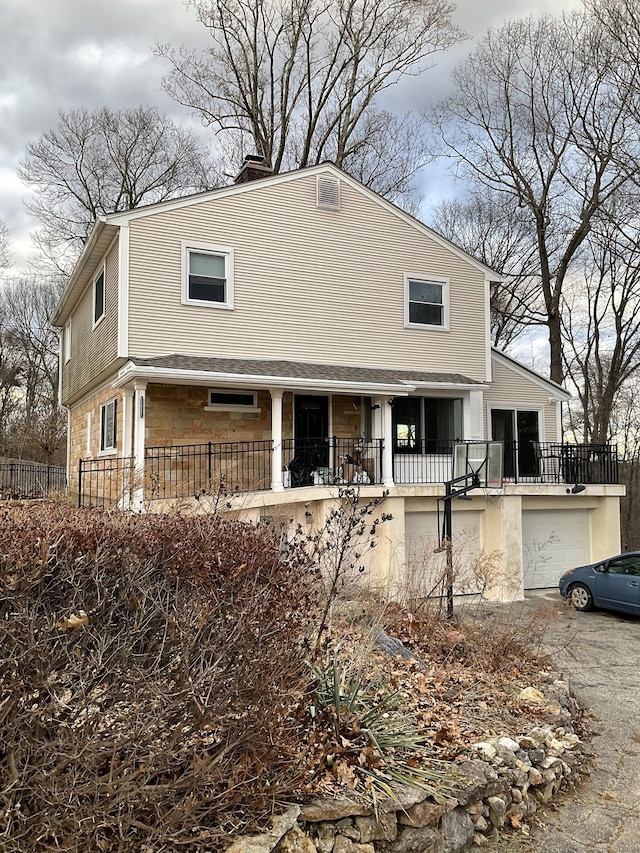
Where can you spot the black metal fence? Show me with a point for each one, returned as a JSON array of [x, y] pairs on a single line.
[[331, 461], [106, 482], [20, 479], [193, 469], [559, 462]]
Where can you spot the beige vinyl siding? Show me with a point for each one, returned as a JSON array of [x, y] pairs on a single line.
[[310, 284], [93, 350], [511, 390]]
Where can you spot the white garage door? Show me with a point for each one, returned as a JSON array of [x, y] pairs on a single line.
[[426, 570], [552, 542]]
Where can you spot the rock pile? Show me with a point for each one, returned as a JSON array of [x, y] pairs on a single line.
[[506, 779]]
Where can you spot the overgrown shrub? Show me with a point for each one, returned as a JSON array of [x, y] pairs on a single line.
[[150, 670]]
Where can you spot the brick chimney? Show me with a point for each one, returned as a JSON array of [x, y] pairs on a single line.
[[252, 169]]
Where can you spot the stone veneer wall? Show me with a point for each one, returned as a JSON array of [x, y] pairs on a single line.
[[78, 428], [176, 415]]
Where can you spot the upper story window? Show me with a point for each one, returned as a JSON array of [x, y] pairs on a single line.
[[98, 297], [427, 302], [108, 423], [208, 275]]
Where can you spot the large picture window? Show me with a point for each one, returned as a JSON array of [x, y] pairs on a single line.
[[108, 427], [426, 302], [208, 276], [426, 424]]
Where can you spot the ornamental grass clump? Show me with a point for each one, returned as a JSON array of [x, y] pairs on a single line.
[[366, 740]]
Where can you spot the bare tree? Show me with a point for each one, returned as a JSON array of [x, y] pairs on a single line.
[[601, 321], [103, 161], [534, 119], [300, 82], [31, 423], [498, 234], [5, 255]]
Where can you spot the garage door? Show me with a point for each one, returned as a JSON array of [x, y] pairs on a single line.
[[425, 573], [552, 542]]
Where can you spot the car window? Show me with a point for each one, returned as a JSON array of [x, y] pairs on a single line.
[[625, 565]]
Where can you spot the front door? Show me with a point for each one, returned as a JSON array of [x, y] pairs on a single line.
[[311, 432]]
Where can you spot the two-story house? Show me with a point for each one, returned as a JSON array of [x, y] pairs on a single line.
[[290, 333]]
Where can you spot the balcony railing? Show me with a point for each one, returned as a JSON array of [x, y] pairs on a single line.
[[331, 461], [192, 469], [425, 461], [559, 462], [245, 466]]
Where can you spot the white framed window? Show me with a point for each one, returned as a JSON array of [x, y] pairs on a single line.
[[230, 400], [426, 302], [207, 275], [108, 422], [98, 297], [67, 341]]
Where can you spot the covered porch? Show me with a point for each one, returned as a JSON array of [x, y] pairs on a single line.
[[192, 423]]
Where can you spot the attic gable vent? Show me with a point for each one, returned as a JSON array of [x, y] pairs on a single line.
[[328, 189]]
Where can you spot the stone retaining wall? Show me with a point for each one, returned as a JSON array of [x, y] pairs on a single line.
[[507, 780]]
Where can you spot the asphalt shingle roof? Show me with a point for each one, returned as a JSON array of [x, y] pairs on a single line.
[[300, 370]]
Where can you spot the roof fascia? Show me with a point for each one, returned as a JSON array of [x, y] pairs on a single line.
[[273, 180], [420, 226], [58, 316], [131, 372], [126, 216], [549, 385], [446, 386]]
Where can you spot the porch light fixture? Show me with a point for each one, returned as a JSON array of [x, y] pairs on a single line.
[[575, 490]]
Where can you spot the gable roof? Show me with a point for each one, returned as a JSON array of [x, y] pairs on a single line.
[[107, 226], [549, 385]]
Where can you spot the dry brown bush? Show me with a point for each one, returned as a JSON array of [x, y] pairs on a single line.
[[134, 712]]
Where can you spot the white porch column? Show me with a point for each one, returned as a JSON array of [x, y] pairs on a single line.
[[127, 422], [139, 416], [276, 435], [387, 438], [474, 421]]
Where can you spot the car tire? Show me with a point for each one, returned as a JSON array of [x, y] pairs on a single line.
[[581, 598]]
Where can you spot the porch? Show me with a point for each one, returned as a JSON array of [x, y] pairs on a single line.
[[228, 468]]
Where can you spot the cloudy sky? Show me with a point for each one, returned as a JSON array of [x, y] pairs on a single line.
[[65, 54]]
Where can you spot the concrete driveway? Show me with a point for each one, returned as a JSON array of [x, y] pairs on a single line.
[[599, 655]]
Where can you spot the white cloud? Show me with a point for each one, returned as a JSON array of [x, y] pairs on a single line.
[[65, 54]]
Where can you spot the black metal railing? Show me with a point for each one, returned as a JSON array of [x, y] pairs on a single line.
[[523, 462], [20, 479], [559, 462], [331, 461], [194, 469], [423, 461], [106, 482], [243, 466]]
